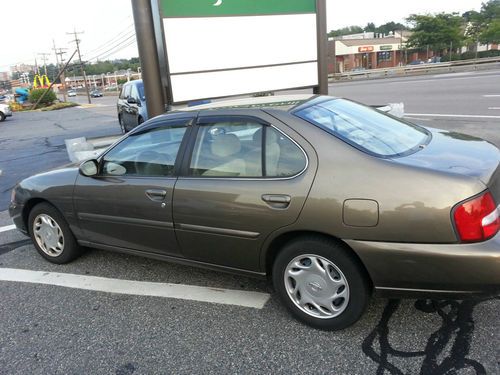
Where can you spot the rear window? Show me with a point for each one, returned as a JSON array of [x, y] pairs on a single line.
[[365, 128]]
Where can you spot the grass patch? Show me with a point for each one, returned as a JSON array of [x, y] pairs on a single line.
[[57, 106]]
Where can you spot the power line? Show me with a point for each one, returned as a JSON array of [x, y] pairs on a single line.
[[106, 44], [132, 42], [112, 48]]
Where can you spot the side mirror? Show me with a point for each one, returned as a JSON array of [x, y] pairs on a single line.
[[131, 100], [89, 168]]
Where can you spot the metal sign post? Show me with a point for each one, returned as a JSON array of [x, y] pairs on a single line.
[[148, 55], [204, 49]]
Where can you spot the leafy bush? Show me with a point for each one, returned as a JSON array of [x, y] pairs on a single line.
[[57, 106], [35, 94]]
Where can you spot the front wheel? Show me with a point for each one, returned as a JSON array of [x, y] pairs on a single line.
[[321, 283], [2, 117], [51, 235]]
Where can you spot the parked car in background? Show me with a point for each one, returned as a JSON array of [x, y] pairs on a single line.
[[330, 199], [71, 93], [131, 105], [5, 112], [96, 94]]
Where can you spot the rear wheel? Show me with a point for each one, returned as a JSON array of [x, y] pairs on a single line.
[[321, 283], [2, 117], [51, 235]]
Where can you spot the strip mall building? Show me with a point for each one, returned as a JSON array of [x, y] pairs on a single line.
[[367, 51]]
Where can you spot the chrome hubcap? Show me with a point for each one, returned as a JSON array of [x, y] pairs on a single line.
[[48, 235], [316, 286]]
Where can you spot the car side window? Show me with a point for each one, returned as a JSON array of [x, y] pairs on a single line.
[[151, 153], [234, 149], [228, 149], [126, 91], [283, 157], [134, 93]]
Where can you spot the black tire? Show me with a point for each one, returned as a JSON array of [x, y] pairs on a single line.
[[342, 258], [70, 249], [2, 117]]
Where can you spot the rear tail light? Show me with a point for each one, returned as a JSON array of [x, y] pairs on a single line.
[[477, 219]]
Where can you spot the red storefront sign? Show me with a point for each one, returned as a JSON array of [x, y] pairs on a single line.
[[366, 49]]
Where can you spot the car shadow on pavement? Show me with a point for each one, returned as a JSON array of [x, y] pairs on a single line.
[[446, 350]]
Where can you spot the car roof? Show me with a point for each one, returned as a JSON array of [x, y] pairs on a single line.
[[282, 102]]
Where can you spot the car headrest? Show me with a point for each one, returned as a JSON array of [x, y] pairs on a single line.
[[271, 137], [226, 145]]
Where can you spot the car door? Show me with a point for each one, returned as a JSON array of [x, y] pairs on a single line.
[[129, 204], [127, 117], [134, 107], [243, 178]]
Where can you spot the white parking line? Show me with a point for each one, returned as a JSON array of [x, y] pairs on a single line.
[[254, 300], [492, 96], [493, 107], [7, 228], [449, 115]]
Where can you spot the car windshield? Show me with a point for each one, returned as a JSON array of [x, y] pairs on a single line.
[[365, 128]]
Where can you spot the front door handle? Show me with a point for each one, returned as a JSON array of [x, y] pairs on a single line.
[[156, 195], [280, 201]]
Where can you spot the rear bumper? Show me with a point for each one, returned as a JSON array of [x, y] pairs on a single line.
[[446, 270]]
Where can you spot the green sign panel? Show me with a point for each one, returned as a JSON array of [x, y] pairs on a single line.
[[215, 8], [386, 48]]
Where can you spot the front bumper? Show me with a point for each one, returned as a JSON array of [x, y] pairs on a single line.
[[16, 213], [432, 269]]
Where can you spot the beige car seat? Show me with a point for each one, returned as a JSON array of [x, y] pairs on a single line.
[[225, 148], [273, 152]]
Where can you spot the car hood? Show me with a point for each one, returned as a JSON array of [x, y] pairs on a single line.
[[456, 153], [62, 176]]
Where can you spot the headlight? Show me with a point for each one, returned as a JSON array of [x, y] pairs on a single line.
[[13, 195]]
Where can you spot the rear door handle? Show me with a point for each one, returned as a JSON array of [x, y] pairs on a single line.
[[277, 200], [156, 195]]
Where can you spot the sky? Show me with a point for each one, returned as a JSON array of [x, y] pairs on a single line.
[[108, 24]]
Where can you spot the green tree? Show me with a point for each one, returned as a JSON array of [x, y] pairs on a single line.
[[370, 27], [388, 27], [436, 31], [491, 34], [346, 31], [490, 20]]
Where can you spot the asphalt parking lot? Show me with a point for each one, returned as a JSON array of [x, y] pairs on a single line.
[[235, 324]]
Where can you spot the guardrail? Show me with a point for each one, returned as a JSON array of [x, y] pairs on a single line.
[[414, 69]]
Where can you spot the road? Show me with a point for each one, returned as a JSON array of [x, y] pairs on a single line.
[[52, 329]]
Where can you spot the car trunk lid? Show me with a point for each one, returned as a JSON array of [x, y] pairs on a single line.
[[461, 154]]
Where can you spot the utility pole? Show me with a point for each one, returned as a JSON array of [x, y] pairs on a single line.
[[60, 54], [44, 59], [77, 41]]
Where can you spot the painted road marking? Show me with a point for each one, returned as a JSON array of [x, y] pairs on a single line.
[[254, 300], [492, 96], [493, 107], [446, 115], [7, 228]]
